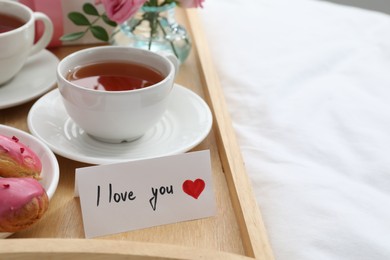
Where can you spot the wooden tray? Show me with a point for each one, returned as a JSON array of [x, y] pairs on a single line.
[[237, 231]]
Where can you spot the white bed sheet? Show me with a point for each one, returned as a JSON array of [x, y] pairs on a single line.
[[307, 84]]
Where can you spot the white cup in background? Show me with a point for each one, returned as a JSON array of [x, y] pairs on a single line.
[[17, 44]]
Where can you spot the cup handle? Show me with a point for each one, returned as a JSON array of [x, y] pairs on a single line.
[[47, 35]]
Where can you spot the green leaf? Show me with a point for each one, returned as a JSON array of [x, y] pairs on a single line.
[[78, 18], [89, 8], [99, 33], [72, 36], [108, 21]]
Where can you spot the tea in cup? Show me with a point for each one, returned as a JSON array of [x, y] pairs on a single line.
[[17, 32], [115, 94]]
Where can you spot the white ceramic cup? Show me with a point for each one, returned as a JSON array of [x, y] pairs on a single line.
[[18, 44], [116, 116]]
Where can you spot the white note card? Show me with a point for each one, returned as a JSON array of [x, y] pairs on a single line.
[[127, 196]]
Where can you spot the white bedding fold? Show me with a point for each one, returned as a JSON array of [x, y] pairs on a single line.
[[307, 84]]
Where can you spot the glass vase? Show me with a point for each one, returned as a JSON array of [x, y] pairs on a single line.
[[154, 28]]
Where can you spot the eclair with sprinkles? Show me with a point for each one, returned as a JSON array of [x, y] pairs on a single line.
[[17, 159], [23, 201]]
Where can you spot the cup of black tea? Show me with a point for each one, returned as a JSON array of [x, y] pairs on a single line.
[[116, 94], [17, 32]]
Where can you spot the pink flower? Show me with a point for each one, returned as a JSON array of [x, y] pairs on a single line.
[[121, 10], [190, 3]]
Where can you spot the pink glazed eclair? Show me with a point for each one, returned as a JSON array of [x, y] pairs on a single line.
[[18, 160], [23, 201]]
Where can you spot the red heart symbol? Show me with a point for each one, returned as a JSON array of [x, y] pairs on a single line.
[[194, 188]]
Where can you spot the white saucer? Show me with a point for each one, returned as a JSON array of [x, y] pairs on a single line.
[[50, 169], [185, 124], [37, 76]]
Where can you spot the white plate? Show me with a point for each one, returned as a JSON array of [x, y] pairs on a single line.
[[50, 169], [37, 76], [185, 124]]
